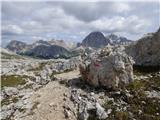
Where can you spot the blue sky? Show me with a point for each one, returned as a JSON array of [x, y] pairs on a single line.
[[72, 21]]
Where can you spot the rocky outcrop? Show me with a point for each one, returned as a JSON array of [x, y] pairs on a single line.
[[95, 39], [111, 68], [146, 51]]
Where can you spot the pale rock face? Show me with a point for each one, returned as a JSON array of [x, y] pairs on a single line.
[[109, 70], [146, 51]]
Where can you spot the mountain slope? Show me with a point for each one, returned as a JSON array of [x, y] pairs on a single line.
[[40, 49], [95, 39], [51, 51]]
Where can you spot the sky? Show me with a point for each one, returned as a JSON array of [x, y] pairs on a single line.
[[72, 21]]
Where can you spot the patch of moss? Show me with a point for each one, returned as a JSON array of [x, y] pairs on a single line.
[[120, 115], [136, 85], [152, 106], [12, 80]]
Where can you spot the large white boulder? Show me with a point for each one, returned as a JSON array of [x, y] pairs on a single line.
[[111, 68]]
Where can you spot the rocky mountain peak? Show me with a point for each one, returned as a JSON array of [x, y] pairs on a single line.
[[115, 39], [95, 39], [16, 46]]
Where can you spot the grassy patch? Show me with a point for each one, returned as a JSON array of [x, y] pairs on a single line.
[[121, 115], [12, 80], [136, 85]]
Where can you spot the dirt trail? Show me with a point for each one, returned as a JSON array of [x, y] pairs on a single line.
[[50, 100]]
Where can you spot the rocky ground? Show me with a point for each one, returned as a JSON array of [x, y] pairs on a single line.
[[34, 89], [21, 77]]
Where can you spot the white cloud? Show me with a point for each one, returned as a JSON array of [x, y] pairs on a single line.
[[131, 24], [12, 29], [62, 20], [121, 7]]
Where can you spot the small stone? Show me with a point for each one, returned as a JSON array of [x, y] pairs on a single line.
[[92, 93], [65, 94], [51, 104], [64, 99], [100, 112], [109, 111], [143, 102], [139, 111], [67, 113]]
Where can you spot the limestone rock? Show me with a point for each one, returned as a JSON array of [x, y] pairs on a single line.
[[146, 51], [10, 91], [100, 111], [111, 68]]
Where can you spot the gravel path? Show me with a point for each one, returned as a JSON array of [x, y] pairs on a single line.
[[50, 100]]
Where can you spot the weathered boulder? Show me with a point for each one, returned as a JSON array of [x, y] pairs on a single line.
[[111, 68]]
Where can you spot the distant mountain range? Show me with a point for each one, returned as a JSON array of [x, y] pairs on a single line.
[[59, 48], [40, 48]]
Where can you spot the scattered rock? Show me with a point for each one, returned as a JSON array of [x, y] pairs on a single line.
[[10, 91], [100, 112]]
